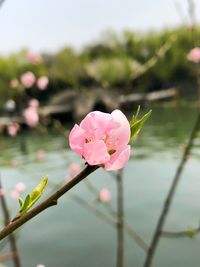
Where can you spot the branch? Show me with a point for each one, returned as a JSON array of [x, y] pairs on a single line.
[[50, 201], [11, 237], [187, 233], [120, 220], [169, 198]]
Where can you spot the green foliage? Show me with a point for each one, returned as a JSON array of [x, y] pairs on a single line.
[[33, 197], [137, 124]]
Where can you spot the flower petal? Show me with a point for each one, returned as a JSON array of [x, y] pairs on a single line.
[[120, 136], [77, 139], [95, 153], [118, 159]]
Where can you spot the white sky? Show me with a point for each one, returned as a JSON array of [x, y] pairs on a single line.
[[47, 25]]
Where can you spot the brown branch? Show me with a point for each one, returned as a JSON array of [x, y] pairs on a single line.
[[11, 237], [50, 201], [169, 198], [7, 256], [120, 220]]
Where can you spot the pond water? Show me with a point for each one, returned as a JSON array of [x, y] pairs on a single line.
[[70, 235]]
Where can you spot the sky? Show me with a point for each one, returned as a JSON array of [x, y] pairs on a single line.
[[48, 25]]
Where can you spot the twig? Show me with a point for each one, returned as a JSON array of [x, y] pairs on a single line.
[[7, 256], [11, 237], [187, 233], [50, 201], [169, 198], [120, 220]]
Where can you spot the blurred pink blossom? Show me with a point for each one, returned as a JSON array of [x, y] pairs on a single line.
[[102, 139], [194, 55], [34, 58], [31, 117], [14, 83], [40, 265], [14, 194], [20, 187], [13, 128], [42, 83], [104, 195], [28, 79], [74, 169], [2, 191], [34, 103], [41, 154]]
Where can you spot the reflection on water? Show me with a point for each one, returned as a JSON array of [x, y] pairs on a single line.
[[70, 235]]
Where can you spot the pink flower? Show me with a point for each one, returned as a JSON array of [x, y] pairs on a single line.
[[13, 128], [34, 103], [41, 154], [14, 83], [42, 83], [194, 55], [74, 169], [20, 187], [104, 195], [28, 79], [31, 117], [34, 58], [40, 265], [2, 191], [14, 194], [102, 139]]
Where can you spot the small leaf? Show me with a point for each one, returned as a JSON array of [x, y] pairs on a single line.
[[33, 197], [21, 202], [191, 232], [136, 125]]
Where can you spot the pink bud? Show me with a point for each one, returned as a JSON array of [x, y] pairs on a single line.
[[34, 58], [40, 265], [31, 117], [14, 83], [42, 83], [104, 195], [20, 187], [28, 79], [194, 55], [13, 128]]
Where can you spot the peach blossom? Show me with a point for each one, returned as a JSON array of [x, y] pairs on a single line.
[[42, 83], [31, 117], [28, 79], [20, 187], [194, 55], [34, 58], [41, 154], [13, 128], [34, 103], [14, 194], [102, 139], [40, 265], [14, 83], [104, 195]]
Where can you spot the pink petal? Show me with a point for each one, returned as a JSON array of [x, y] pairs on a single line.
[[118, 159], [121, 135], [95, 153], [77, 139], [96, 124]]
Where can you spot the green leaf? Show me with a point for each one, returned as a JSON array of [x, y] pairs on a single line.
[[136, 125], [21, 202], [191, 232], [33, 197]]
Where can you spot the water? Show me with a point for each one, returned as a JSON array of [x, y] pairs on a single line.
[[70, 235]]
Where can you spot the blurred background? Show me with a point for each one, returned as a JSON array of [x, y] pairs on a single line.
[[60, 60]]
